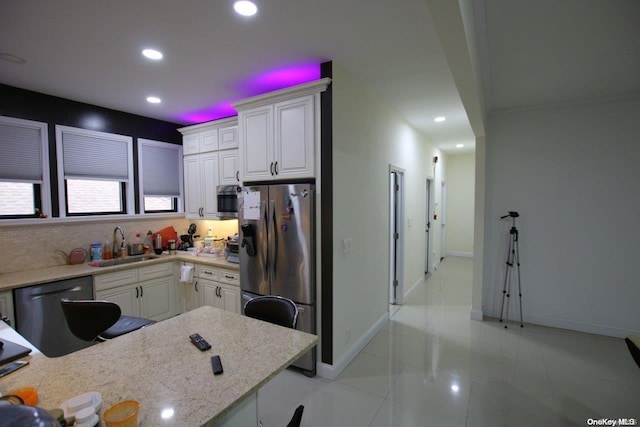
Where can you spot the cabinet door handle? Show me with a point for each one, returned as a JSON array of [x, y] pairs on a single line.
[[196, 286], [137, 292], [141, 291], [238, 176], [271, 168], [208, 272], [276, 168], [226, 276], [219, 292]]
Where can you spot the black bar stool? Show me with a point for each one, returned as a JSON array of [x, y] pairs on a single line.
[[95, 320]]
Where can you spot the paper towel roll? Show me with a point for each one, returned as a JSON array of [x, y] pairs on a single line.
[[186, 273]]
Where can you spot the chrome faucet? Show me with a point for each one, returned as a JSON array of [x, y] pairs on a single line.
[[116, 252]]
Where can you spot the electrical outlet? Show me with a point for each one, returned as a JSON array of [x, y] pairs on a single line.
[[347, 245]]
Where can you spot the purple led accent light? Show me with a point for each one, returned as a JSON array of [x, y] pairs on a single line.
[[280, 79], [262, 83], [215, 112]]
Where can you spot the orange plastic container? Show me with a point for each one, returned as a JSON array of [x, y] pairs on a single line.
[[122, 414], [29, 395]]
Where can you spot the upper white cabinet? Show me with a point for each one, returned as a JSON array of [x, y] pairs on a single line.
[[229, 171], [200, 181], [278, 133], [200, 142], [209, 151]]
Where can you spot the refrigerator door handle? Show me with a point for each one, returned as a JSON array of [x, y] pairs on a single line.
[[265, 241], [273, 238]]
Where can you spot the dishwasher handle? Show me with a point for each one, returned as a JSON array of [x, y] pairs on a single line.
[[39, 295]]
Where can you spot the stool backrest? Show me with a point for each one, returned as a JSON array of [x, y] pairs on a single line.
[[273, 309], [89, 318]]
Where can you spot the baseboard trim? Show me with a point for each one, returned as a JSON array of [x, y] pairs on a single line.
[[331, 372], [555, 322], [414, 288], [476, 315], [460, 254]]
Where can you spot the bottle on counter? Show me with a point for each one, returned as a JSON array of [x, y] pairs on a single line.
[[106, 250], [96, 251], [208, 239], [148, 242]]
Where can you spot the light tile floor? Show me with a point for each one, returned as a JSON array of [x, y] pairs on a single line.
[[433, 366]]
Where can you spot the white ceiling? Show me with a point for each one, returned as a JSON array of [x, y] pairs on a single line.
[[553, 52], [89, 51]]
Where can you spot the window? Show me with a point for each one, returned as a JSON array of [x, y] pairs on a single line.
[[95, 172], [160, 175], [24, 169]]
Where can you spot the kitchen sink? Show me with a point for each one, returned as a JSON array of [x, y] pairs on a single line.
[[120, 261]]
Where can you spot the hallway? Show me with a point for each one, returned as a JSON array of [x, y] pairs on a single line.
[[433, 366]]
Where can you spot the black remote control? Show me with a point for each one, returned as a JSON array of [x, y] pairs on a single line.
[[199, 342], [217, 365]]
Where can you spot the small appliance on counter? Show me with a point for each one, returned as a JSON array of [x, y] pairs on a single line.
[[231, 251], [187, 240]]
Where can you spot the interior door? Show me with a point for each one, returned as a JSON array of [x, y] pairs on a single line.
[[427, 226], [395, 233]]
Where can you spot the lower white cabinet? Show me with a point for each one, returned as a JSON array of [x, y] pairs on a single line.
[[147, 292], [213, 286]]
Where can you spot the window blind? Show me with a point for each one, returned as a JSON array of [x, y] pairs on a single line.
[[21, 148], [160, 164], [95, 155]]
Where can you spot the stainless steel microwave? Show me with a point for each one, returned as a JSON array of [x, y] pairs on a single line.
[[227, 201]]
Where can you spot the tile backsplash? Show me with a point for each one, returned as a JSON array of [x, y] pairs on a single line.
[[34, 246]]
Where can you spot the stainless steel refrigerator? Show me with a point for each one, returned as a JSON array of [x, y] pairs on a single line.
[[277, 250]]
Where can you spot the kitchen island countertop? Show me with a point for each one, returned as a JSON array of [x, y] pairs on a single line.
[[36, 276], [160, 368]]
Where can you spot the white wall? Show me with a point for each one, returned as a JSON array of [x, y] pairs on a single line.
[[368, 137], [573, 175], [460, 181]]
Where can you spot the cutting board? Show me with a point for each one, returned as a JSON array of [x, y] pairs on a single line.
[[167, 233]]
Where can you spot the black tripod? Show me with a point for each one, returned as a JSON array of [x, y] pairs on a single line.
[[513, 257]]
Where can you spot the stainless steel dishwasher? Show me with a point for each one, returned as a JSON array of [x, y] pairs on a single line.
[[39, 316]]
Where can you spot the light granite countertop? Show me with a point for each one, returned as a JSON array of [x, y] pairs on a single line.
[[51, 274], [160, 368]]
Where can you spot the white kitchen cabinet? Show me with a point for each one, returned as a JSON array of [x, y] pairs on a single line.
[[200, 182], [219, 295], [213, 286], [153, 298], [6, 307], [200, 142], [278, 140], [294, 138], [205, 168], [228, 137], [229, 171], [256, 147], [278, 133]]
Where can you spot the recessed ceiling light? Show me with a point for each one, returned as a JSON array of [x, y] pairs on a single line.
[[440, 119], [459, 145], [152, 54], [245, 7], [154, 100]]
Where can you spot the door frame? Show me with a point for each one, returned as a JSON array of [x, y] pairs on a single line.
[[396, 245], [429, 211], [443, 220]]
